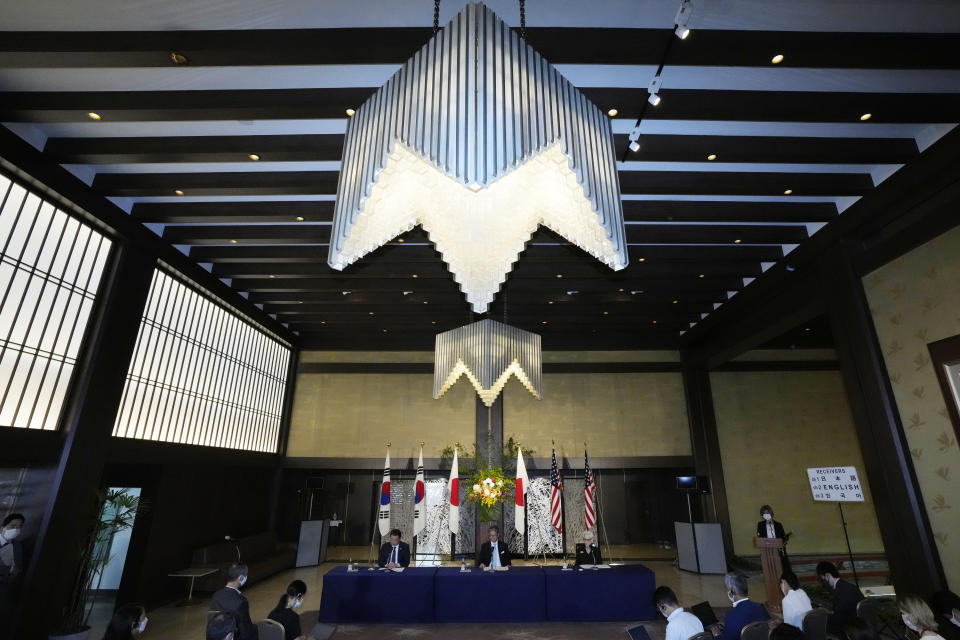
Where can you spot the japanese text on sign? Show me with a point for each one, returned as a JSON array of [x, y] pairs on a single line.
[[835, 484]]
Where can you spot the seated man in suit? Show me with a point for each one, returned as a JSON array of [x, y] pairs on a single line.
[[744, 610], [846, 596], [494, 553], [588, 552], [394, 554], [230, 600]]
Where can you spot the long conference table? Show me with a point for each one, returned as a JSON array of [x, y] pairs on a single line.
[[522, 594]]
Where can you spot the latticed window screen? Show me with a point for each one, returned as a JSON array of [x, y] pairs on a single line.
[[202, 374], [50, 269]]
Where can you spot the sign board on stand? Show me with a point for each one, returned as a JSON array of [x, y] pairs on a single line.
[[835, 484]]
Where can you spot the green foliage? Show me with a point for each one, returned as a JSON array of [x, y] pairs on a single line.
[[467, 460]]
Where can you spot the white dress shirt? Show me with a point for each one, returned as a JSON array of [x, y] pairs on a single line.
[[795, 604], [494, 555], [682, 624], [771, 532]]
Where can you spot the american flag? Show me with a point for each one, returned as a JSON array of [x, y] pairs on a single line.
[[556, 496], [589, 492]]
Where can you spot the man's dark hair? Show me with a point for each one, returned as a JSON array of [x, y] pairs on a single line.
[[736, 582], [13, 516], [494, 527], [396, 532], [765, 508], [824, 567], [791, 579], [665, 596], [219, 625], [786, 632], [236, 570]]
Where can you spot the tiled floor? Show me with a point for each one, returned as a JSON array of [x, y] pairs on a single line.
[[181, 623]]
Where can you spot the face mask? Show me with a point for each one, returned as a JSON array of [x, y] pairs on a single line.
[[909, 624], [297, 603], [10, 534], [143, 626], [243, 580], [955, 619], [767, 517]]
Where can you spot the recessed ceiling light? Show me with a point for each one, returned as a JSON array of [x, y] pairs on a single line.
[[712, 157], [550, 302], [254, 156], [300, 218], [620, 290], [370, 312], [737, 241], [384, 330], [654, 322], [675, 301], [543, 322], [400, 240], [807, 329], [178, 58], [606, 313], [612, 112], [433, 322], [559, 275], [179, 192], [787, 192], [323, 322], [426, 302], [866, 116], [413, 275], [271, 276], [350, 113], [233, 242], [702, 275], [299, 301], [93, 115], [641, 259], [777, 59]]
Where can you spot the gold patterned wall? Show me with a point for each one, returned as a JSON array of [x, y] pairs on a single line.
[[915, 300], [617, 414], [773, 425]]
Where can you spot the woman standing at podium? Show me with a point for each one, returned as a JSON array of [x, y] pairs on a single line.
[[770, 528]]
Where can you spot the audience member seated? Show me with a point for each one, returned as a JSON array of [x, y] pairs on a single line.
[[845, 598], [919, 618], [946, 605], [680, 624], [744, 610], [130, 620], [285, 613], [492, 552], [587, 551], [796, 602], [11, 554], [394, 554], [221, 626], [786, 632], [230, 599], [860, 629]]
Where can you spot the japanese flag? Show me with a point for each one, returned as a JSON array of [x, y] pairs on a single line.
[[454, 487], [521, 493]]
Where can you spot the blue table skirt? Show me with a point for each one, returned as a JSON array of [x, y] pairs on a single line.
[[618, 593], [516, 595], [378, 596]]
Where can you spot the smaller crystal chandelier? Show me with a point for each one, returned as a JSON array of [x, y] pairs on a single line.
[[488, 353]]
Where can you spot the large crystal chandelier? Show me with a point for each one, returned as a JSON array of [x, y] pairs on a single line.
[[488, 353], [479, 140]]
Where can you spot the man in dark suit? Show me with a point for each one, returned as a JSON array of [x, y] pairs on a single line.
[[744, 610], [394, 554], [770, 528], [494, 553], [846, 596], [587, 551], [230, 600]]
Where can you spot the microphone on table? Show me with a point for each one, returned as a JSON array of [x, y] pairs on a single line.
[[236, 545]]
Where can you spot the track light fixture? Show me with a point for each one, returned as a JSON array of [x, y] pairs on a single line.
[[654, 90], [634, 139], [682, 19]]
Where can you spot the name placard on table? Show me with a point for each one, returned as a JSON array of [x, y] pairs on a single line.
[[835, 484]]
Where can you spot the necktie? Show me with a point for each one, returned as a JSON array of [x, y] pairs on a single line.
[[393, 556]]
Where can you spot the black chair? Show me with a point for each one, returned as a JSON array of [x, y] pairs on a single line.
[[815, 624], [270, 630], [756, 631], [869, 610]]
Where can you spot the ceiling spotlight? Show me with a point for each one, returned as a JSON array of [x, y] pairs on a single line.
[[413, 275], [807, 329], [299, 301], [682, 19], [425, 302], [179, 192], [350, 113], [559, 275], [233, 242], [682, 32], [300, 218], [384, 330], [612, 112], [620, 290], [543, 322], [178, 58], [654, 322], [654, 89], [550, 302], [271, 276], [406, 293], [737, 241], [777, 59], [787, 192], [606, 313], [323, 322], [634, 146], [702, 275], [712, 157], [254, 156], [433, 322], [634, 139], [675, 301], [866, 117], [370, 313], [635, 292], [346, 293], [93, 115], [641, 259], [574, 292]]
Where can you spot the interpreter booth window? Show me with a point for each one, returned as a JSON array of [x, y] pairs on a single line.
[[202, 373], [51, 264], [945, 356]]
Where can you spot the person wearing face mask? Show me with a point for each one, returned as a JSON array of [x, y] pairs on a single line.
[[919, 618], [770, 528], [129, 621], [744, 610], [230, 600], [946, 604], [285, 612], [796, 602], [11, 554], [846, 596], [680, 624]]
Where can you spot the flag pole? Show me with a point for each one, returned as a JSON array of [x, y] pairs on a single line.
[[563, 514]]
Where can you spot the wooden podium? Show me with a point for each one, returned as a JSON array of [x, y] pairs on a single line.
[[772, 569]]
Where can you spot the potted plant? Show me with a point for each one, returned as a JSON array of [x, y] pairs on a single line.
[[117, 509]]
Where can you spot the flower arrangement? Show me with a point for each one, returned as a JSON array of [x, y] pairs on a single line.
[[488, 488]]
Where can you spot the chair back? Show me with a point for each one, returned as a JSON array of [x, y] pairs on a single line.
[[271, 630], [703, 635], [756, 631], [869, 611], [815, 624]]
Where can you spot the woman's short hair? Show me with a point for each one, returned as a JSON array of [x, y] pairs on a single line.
[[791, 579], [766, 508], [920, 611]]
